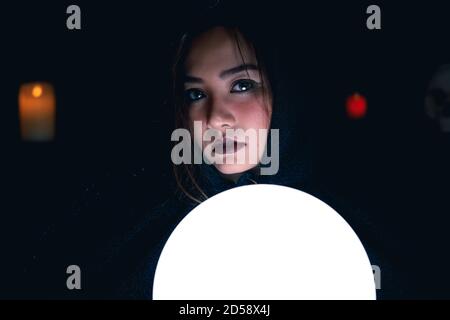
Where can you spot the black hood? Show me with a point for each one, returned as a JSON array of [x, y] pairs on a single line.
[[291, 114]]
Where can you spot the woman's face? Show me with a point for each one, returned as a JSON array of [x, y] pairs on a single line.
[[224, 91]]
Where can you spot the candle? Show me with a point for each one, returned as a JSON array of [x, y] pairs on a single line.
[[37, 111]]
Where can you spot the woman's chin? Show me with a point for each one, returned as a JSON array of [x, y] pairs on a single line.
[[233, 168]]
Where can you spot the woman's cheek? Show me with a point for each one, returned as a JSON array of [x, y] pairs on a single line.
[[253, 116], [195, 113]]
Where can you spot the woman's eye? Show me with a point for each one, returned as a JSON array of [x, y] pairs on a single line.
[[194, 95], [243, 85]]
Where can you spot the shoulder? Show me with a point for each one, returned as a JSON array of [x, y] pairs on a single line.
[[375, 236], [130, 259]]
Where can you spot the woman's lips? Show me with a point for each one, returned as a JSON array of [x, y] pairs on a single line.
[[227, 146]]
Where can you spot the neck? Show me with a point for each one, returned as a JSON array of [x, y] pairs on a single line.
[[232, 177], [235, 176]]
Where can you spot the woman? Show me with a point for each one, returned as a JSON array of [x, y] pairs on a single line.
[[226, 76]]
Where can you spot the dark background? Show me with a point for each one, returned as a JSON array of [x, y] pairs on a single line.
[[110, 162]]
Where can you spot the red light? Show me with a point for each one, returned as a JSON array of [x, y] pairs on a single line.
[[356, 106]]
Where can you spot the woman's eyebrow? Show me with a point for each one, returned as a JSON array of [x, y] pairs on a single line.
[[223, 74], [234, 70], [192, 79]]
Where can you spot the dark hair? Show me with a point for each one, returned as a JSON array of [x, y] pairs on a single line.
[[187, 175]]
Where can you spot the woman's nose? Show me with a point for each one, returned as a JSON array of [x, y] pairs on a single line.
[[220, 115]]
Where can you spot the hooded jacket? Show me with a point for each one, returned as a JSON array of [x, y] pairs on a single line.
[[135, 256]]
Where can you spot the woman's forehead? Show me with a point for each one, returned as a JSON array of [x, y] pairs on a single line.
[[216, 50]]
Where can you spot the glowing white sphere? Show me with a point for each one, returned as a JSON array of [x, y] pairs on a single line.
[[263, 242]]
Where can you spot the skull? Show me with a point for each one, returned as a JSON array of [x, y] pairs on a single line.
[[437, 100]]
